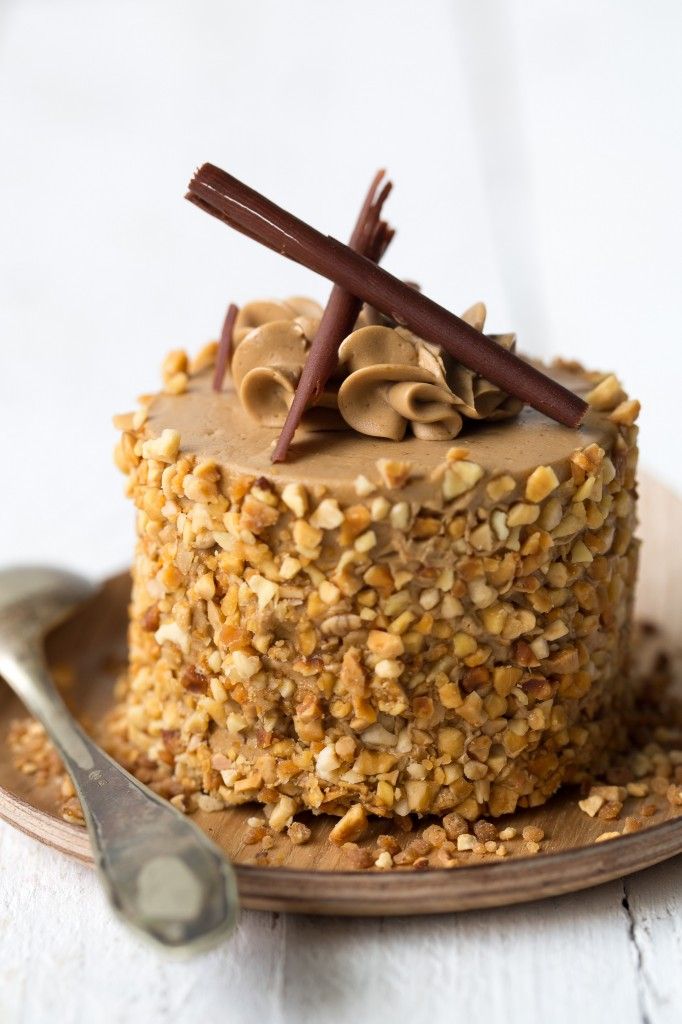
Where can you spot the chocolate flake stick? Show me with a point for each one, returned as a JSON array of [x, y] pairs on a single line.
[[224, 353], [249, 212], [370, 236]]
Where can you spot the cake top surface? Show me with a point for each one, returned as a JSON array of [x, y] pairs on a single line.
[[214, 425]]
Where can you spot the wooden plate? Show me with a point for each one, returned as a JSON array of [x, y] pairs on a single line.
[[314, 878]]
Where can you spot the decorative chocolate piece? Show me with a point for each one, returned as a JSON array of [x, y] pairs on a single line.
[[224, 354], [244, 209], [371, 236]]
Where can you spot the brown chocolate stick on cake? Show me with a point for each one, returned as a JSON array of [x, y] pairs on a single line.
[[224, 353], [371, 236], [244, 209]]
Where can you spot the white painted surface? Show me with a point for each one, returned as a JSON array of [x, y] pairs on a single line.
[[537, 159]]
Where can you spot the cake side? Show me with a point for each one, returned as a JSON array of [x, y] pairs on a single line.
[[395, 627]]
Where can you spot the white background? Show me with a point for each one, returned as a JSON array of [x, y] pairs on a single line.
[[535, 147]]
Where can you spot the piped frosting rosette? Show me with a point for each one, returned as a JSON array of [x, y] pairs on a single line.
[[271, 340], [388, 378], [395, 378]]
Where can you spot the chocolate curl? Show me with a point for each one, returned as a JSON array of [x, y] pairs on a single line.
[[251, 213], [370, 236], [224, 354]]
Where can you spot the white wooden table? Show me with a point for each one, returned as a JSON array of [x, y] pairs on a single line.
[[543, 131], [608, 954]]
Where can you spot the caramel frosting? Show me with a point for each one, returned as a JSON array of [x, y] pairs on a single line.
[[481, 400], [263, 311], [269, 358], [393, 379], [217, 427]]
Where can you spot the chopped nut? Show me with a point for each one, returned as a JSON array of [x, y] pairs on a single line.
[[366, 541], [359, 857], [388, 842], [606, 395], [298, 833], [289, 568], [350, 827], [610, 811], [522, 514], [254, 834], [327, 515], [164, 448], [282, 813], [363, 486], [485, 832], [591, 805], [394, 473], [605, 836], [387, 645], [460, 477], [500, 487], [455, 825], [626, 413], [384, 860], [177, 384], [541, 482], [265, 590], [435, 835], [296, 498]]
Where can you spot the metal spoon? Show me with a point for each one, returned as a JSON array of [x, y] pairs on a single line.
[[163, 876]]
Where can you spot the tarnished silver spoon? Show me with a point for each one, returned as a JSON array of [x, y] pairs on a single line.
[[163, 876]]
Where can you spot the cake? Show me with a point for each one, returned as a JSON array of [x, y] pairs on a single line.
[[427, 608]]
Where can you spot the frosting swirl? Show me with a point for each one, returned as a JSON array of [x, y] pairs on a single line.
[[388, 378], [394, 379], [268, 360], [481, 400]]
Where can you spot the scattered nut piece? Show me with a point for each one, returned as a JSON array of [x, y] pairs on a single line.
[[350, 827], [358, 857], [298, 833], [591, 805], [605, 836]]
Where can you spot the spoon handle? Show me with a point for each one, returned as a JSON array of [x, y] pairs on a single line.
[[163, 876]]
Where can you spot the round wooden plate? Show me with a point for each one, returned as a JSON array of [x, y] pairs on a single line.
[[314, 878]]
